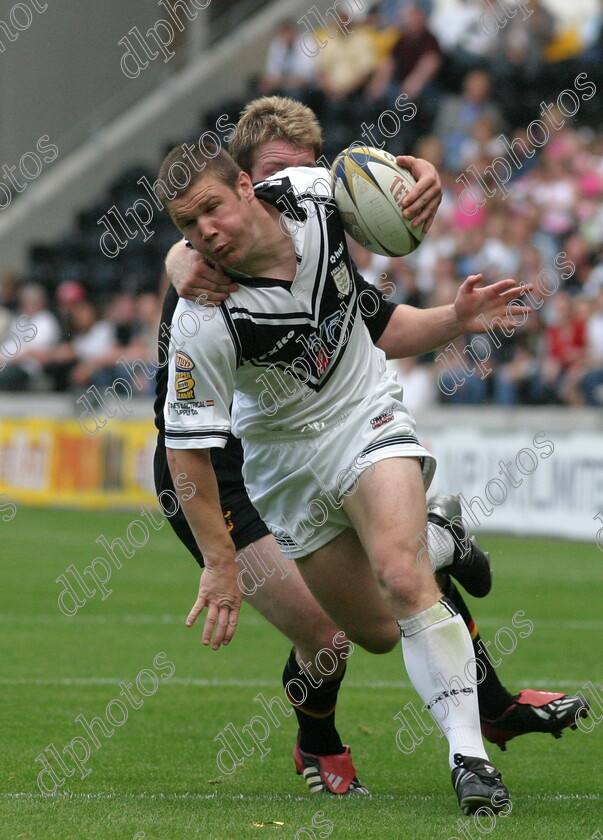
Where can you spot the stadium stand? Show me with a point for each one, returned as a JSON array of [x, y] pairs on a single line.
[[523, 187]]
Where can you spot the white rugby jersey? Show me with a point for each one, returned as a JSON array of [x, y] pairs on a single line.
[[288, 356]]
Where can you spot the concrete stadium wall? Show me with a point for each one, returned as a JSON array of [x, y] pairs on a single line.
[[169, 112], [65, 67]]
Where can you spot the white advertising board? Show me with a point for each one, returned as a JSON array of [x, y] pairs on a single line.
[[549, 484]]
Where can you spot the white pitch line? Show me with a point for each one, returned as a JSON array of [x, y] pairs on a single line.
[[240, 683], [271, 797]]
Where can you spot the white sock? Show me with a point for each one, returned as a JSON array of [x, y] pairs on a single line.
[[440, 546], [440, 662]]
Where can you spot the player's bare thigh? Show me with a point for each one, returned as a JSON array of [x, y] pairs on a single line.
[[340, 577], [389, 515], [287, 603]]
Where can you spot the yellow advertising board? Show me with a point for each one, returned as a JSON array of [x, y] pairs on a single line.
[[52, 462]]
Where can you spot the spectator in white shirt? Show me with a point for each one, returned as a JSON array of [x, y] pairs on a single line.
[[26, 348], [289, 70]]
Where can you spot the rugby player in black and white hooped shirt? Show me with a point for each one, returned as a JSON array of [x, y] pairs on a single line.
[[274, 132], [293, 331]]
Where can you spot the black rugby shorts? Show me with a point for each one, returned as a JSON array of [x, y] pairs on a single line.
[[242, 519]]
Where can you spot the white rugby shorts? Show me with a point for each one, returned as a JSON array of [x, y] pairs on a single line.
[[298, 483]]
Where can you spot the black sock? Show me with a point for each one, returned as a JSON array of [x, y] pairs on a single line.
[[316, 715], [493, 697]]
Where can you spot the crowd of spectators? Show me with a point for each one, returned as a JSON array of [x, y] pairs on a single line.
[[69, 343], [506, 106]]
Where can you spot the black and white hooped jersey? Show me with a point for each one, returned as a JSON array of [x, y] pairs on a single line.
[[287, 355]]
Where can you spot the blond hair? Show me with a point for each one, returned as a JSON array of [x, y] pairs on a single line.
[[273, 118]]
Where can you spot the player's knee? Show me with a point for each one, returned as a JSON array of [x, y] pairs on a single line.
[[318, 633], [378, 640], [389, 556], [386, 643], [398, 575], [408, 591], [325, 658]]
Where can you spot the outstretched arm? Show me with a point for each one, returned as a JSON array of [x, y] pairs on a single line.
[[218, 589], [205, 361], [412, 332]]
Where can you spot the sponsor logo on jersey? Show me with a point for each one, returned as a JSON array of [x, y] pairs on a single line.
[[280, 343], [322, 360], [189, 408], [336, 254], [184, 361], [319, 346], [185, 384], [383, 418], [342, 279]]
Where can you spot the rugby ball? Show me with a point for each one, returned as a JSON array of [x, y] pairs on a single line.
[[369, 187]]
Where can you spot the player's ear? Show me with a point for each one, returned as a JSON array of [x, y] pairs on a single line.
[[245, 185]]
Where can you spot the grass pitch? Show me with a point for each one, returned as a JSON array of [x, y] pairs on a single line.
[[155, 776]]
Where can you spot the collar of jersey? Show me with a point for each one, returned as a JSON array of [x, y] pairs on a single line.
[[258, 282]]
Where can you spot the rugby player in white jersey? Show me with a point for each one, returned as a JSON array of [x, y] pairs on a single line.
[[323, 429], [272, 133]]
